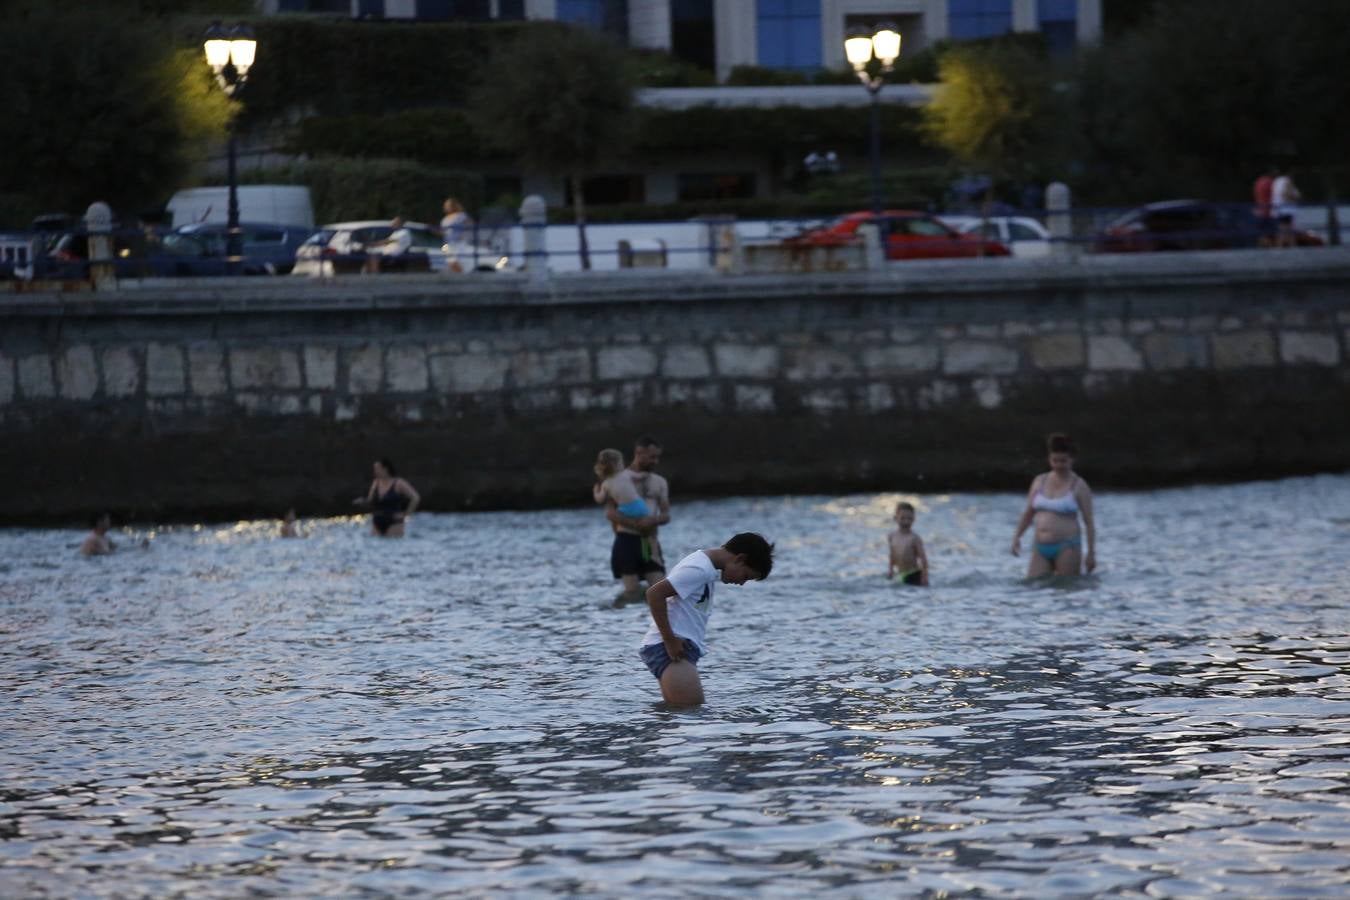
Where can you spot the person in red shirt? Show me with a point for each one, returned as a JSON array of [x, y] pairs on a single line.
[[1262, 196]]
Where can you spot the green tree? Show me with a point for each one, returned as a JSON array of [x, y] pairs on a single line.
[[101, 109], [996, 110], [560, 100], [1204, 94]]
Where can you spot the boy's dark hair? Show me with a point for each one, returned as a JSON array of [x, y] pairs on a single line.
[[905, 504], [1061, 443], [757, 551], [647, 441], [97, 518]]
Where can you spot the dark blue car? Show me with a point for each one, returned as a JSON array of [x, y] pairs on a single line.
[[186, 252]]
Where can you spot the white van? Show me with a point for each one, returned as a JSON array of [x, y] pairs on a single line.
[[274, 204]]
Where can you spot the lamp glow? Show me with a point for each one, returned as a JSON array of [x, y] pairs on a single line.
[[886, 45], [858, 49]]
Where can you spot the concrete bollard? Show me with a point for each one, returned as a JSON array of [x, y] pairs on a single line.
[[874, 255], [98, 224], [1059, 220], [534, 220], [730, 252]]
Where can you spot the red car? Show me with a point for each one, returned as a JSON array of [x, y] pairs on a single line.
[[906, 234]]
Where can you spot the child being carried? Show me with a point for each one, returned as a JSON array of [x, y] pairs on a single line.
[[616, 483]]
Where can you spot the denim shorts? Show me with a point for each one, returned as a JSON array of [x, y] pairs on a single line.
[[657, 659]]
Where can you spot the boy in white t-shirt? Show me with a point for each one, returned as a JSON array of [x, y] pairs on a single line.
[[681, 603]]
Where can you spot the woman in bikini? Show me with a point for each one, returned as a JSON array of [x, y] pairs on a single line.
[[391, 501], [1054, 503]]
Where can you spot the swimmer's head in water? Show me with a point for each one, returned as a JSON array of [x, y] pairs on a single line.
[[904, 514], [101, 522], [607, 462], [753, 558]]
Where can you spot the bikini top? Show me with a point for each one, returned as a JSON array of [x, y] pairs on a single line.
[[1066, 505]]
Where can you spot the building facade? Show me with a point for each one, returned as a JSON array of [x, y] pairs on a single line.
[[803, 35]]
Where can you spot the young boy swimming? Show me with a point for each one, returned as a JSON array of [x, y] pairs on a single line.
[[681, 604], [907, 558]]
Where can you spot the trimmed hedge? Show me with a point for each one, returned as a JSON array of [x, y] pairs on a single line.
[[345, 189], [444, 137], [351, 189]]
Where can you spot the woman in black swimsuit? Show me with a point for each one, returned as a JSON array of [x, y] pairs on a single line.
[[391, 500]]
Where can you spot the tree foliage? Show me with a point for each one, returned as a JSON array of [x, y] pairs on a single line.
[[102, 108], [1204, 94], [560, 100], [996, 109]]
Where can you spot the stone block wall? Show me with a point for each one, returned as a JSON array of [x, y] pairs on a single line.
[[240, 398]]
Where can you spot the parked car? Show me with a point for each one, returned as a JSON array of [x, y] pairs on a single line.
[[345, 247], [1024, 236], [265, 247], [1186, 225], [905, 234], [188, 252]]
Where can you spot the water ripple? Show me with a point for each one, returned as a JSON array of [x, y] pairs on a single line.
[[221, 713]]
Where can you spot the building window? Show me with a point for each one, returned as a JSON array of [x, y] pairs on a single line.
[[316, 6], [971, 19], [691, 32], [1059, 24], [607, 16], [697, 187], [606, 190], [789, 34]]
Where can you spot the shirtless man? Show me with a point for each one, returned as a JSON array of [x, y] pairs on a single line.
[[636, 555], [97, 542]]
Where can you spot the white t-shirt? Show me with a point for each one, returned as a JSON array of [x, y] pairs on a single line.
[[1283, 194], [693, 579]]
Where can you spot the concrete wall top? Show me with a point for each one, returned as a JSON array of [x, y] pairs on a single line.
[[990, 279]]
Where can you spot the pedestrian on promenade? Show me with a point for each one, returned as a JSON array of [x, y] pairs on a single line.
[[1056, 500], [1262, 206], [1284, 196], [392, 501], [456, 223], [681, 604], [97, 542], [391, 252], [635, 555]]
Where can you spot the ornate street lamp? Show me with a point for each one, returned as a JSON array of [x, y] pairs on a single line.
[[861, 48], [230, 53]]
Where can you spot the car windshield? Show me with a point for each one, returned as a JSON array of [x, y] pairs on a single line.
[[182, 245], [920, 227]]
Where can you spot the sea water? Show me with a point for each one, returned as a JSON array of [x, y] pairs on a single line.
[[213, 711]]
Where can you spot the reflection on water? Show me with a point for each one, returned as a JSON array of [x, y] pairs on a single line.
[[226, 713]]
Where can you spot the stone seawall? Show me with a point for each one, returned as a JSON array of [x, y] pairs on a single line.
[[229, 398]]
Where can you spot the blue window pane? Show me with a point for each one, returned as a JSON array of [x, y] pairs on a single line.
[[773, 42], [804, 48], [583, 12], [969, 19], [1057, 10], [789, 34]]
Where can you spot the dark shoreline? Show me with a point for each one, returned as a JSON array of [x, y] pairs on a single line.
[[124, 517]]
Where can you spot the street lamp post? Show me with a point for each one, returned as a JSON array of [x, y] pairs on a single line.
[[230, 53], [861, 48]]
